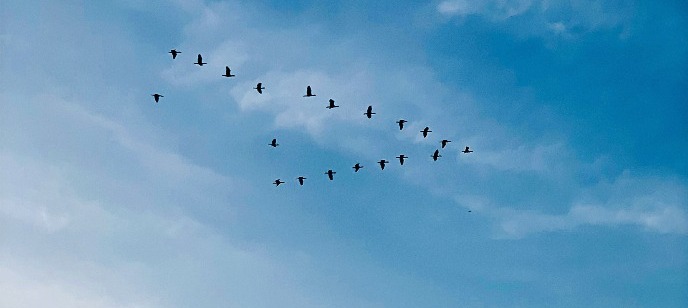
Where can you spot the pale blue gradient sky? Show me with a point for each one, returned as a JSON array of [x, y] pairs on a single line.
[[578, 187]]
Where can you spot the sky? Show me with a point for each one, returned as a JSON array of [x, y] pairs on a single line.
[[576, 194]]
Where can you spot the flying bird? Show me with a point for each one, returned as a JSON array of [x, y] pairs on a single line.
[[369, 113], [401, 123], [401, 159], [277, 182], [259, 87], [200, 60], [444, 142], [174, 53], [228, 72], [436, 155], [382, 163], [156, 97], [309, 93], [357, 167], [331, 105], [330, 174], [425, 131], [467, 150], [274, 143], [301, 180]]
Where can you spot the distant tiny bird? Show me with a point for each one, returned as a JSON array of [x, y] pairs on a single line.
[[425, 131], [401, 123], [309, 93], [174, 53], [301, 180], [274, 143], [277, 182], [228, 72], [259, 87], [444, 142], [156, 97], [369, 113], [467, 150], [357, 167], [401, 159], [200, 60], [436, 155], [382, 163], [331, 105], [330, 174]]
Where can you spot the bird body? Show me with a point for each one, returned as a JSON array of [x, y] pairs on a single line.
[[200, 60], [156, 97], [357, 167], [331, 105], [274, 143], [309, 93], [401, 123], [228, 72], [174, 53], [444, 142], [382, 164], [401, 159], [467, 150], [425, 131], [369, 112], [436, 155], [259, 87], [330, 174], [277, 182], [301, 180]]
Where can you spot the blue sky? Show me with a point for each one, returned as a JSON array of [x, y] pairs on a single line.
[[577, 189]]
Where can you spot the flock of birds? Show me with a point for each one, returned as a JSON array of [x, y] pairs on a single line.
[[309, 93]]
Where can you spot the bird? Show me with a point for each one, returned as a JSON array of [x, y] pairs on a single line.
[[274, 143], [382, 163], [369, 113], [301, 180], [259, 87], [401, 123], [228, 72], [332, 105], [466, 150], [425, 131], [330, 174], [309, 93], [277, 182], [436, 155], [200, 60], [444, 142], [401, 159], [157, 97], [357, 167], [174, 53]]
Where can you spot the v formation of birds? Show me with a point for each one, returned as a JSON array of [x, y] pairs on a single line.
[[309, 93]]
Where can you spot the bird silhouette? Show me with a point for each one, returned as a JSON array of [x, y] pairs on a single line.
[[174, 53], [301, 180], [156, 97], [436, 155], [309, 93], [259, 87], [382, 163], [330, 174], [228, 72], [277, 182], [357, 167], [331, 105], [467, 150], [369, 113], [401, 123], [425, 131], [274, 143], [444, 142], [200, 60], [401, 159]]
